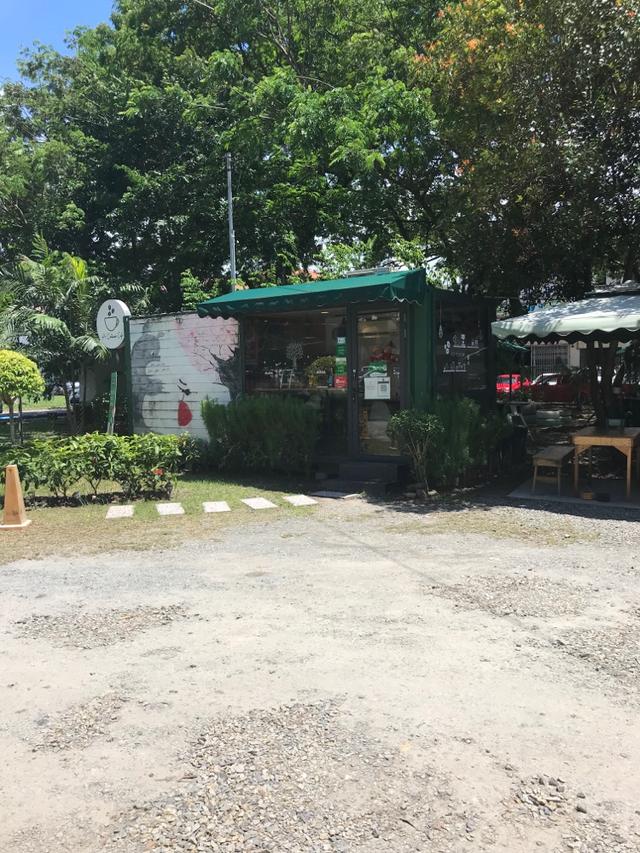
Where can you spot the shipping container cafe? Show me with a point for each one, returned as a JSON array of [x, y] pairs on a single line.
[[359, 349]]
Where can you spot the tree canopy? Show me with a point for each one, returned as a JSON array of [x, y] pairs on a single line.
[[539, 107], [498, 136], [19, 377]]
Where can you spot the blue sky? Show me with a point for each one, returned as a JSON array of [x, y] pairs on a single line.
[[24, 21]]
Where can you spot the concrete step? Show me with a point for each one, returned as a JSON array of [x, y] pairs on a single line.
[[374, 488], [384, 472]]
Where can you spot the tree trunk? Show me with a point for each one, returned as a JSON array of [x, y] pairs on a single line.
[[67, 403], [12, 426], [83, 413], [20, 421], [630, 265], [596, 399], [606, 383]]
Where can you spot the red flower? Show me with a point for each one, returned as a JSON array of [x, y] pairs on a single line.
[[158, 472]]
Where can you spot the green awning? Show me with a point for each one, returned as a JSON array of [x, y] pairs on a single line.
[[378, 287]]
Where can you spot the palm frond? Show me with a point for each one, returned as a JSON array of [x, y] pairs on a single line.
[[25, 321], [90, 346], [40, 249]]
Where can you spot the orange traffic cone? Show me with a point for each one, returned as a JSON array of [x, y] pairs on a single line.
[[15, 515]]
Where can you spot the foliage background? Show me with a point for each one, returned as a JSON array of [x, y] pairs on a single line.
[[495, 140]]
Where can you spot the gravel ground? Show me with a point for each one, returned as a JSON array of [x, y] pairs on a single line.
[[614, 652], [361, 678], [291, 778], [519, 595], [77, 727], [545, 799], [88, 630]]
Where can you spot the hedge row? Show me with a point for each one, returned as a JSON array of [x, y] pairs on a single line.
[[261, 434], [139, 464]]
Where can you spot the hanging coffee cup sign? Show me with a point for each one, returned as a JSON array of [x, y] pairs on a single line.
[[110, 323]]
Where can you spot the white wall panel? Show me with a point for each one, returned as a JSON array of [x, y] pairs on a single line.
[[177, 360]]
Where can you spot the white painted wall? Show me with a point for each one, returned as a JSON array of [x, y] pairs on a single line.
[[176, 361]]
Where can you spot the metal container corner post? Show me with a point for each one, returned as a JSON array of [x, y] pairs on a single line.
[[128, 384]]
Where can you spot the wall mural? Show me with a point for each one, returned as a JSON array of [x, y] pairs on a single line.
[[176, 362]]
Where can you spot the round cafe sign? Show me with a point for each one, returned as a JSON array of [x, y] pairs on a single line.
[[110, 323]]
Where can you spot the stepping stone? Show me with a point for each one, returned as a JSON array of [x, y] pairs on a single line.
[[337, 495], [120, 512], [216, 506], [300, 500], [258, 503], [170, 509]]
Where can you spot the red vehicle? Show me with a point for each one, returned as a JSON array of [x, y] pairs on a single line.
[[574, 388], [509, 383], [561, 388]]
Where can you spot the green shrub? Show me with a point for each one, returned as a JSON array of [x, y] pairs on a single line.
[[140, 464], [461, 441], [444, 443], [28, 466], [97, 454], [265, 434], [60, 464], [497, 428], [418, 435], [148, 463]]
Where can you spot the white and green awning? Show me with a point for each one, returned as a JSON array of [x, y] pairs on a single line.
[[601, 318]]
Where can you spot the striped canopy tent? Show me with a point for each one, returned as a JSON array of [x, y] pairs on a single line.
[[599, 318]]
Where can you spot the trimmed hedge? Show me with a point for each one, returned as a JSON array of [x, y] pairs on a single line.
[[261, 434], [139, 464]]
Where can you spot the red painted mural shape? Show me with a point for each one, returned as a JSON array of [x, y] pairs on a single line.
[[184, 414]]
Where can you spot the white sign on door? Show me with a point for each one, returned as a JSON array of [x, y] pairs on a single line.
[[377, 387]]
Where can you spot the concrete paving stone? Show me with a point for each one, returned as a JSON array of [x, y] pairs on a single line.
[[337, 495], [258, 503], [300, 500], [170, 509], [120, 512], [216, 506]]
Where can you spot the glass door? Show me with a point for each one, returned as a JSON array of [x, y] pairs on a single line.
[[379, 375]]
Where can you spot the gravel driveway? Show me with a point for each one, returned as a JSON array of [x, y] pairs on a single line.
[[358, 677]]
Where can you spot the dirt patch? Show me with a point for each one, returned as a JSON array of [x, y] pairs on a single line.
[[80, 725], [294, 778], [515, 595], [92, 629]]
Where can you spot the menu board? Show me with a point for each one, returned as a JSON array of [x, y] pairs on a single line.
[[340, 378], [461, 354]]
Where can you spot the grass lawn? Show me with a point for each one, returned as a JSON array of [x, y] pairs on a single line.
[[45, 427], [85, 530], [53, 403]]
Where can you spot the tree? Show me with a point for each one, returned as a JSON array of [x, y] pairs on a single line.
[[50, 301], [19, 377], [539, 109], [331, 134]]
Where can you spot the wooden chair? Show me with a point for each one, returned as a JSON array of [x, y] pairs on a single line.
[[551, 457]]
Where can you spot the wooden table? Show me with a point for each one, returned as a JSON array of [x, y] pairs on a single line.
[[624, 439]]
